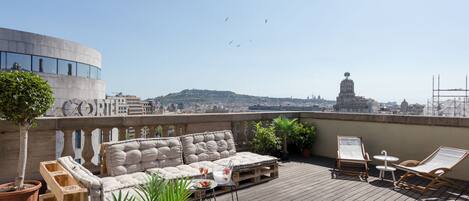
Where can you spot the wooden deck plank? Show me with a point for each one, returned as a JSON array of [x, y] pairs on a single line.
[[310, 179]]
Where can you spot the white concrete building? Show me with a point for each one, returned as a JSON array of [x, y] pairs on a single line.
[[117, 105], [72, 70]]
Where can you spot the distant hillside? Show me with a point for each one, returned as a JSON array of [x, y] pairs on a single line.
[[197, 96]]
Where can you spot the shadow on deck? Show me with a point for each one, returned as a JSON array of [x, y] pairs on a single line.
[[310, 179]]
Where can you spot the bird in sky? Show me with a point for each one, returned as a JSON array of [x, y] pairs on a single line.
[[227, 18], [231, 42], [238, 45], [265, 21]]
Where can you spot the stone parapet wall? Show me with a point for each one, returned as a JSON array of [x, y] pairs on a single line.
[[408, 137]]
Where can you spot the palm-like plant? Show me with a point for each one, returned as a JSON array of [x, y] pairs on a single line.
[[122, 197], [176, 190], [284, 126], [158, 189], [151, 190]]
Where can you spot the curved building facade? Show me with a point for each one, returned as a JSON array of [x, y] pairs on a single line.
[[72, 70]]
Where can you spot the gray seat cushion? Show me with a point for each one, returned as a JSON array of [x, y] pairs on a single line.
[[208, 146], [185, 171], [137, 155], [246, 160], [180, 171], [206, 164], [124, 183]]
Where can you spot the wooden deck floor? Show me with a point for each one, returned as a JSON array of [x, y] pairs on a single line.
[[310, 179]]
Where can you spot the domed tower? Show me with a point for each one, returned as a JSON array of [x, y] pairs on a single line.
[[404, 106], [346, 86]]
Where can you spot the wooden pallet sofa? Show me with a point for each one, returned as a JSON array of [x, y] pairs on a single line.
[[128, 163], [248, 168]]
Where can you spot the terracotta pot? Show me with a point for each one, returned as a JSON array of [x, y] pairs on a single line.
[[306, 153], [27, 194]]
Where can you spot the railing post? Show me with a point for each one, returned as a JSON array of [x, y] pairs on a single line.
[[243, 134], [152, 131], [241, 131], [138, 131], [180, 129], [164, 133], [88, 152], [68, 143], [122, 133], [235, 130], [105, 133]]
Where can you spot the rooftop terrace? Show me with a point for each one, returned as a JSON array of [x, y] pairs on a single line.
[[407, 137], [310, 179]]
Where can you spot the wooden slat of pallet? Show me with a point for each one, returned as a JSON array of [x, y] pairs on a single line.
[[255, 175], [61, 183]]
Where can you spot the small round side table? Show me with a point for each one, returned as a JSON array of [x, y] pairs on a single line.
[[385, 168]]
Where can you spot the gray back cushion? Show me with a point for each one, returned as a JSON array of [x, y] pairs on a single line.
[[137, 155], [208, 146]]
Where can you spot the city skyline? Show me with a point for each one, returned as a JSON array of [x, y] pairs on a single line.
[[285, 49]]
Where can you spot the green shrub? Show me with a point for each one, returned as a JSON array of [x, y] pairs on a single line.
[[265, 140], [272, 138], [303, 136], [23, 96]]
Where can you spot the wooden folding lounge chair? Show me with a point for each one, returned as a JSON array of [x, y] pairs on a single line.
[[432, 168], [352, 158]]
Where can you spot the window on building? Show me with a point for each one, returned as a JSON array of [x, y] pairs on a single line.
[[3, 59], [83, 70], [44, 65], [70, 69], [15, 60], [94, 72], [41, 65], [99, 74], [67, 67]]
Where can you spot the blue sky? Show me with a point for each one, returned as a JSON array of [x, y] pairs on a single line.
[[151, 48]]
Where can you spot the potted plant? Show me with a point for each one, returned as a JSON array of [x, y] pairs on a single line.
[[265, 141], [304, 138], [23, 97], [284, 127]]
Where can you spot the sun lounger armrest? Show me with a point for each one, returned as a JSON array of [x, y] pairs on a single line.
[[367, 157], [439, 171], [410, 163]]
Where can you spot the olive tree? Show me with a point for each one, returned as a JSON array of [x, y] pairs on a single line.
[[23, 97]]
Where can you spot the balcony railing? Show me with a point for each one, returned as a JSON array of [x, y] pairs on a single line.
[[408, 137]]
